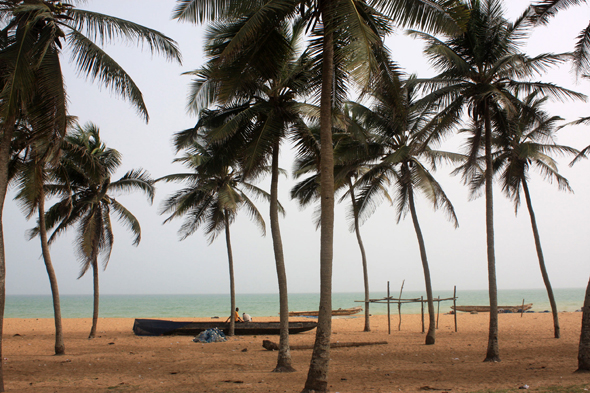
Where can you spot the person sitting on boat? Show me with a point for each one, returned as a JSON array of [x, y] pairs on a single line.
[[236, 316], [247, 317]]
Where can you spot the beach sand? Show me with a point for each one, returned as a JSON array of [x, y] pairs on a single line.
[[119, 361]]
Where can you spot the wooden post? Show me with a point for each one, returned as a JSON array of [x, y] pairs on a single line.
[[388, 310], [422, 307], [522, 309], [437, 312], [399, 306], [455, 306]]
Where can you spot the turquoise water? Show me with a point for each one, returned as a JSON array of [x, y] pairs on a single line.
[[257, 305]]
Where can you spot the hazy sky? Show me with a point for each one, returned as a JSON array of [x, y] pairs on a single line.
[[163, 264]]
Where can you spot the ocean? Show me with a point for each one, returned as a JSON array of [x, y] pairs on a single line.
[[259, 305]]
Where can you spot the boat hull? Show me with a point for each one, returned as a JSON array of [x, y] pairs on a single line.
[[487, 308], [340, 311], [160, 327]]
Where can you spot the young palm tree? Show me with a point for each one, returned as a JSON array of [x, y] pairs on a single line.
[[335, 19], [33, 34], [34, 170], [523, 142], [214, 192], [480, 71], [354, 152], [84, 185]]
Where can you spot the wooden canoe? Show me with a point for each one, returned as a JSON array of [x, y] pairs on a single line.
[[161, 327], [340, 311], [506, 309]]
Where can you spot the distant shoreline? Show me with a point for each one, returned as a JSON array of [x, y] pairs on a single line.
[[205, 306]]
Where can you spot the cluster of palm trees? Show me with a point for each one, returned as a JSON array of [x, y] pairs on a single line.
[[278, 71], [485, 87]]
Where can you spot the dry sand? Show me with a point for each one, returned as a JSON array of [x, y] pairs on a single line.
[[118, 361]]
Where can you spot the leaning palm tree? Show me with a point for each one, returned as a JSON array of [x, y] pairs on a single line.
[[481, 70], [334, 21], [214, 193], [33, 35], [83, 184], [525, 141]]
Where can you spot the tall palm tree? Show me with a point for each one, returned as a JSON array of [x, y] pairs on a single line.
[[334, 19], [480, 71], [524, 141], [33, 35], [84, 186], [215, 191]]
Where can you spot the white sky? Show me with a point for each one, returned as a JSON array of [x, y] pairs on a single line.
[[162, 264]]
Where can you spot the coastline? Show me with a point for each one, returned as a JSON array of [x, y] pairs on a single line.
[[260, 305], [117, 360]]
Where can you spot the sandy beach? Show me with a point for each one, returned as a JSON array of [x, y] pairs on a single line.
[[119, 361]]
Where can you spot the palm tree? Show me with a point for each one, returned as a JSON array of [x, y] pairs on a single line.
[[354, 151], [584, 346], [481, 70], [84, 185], [214, 192], [399, 125], [34, 169], [334, 20], [526, 141], [256, 113], [33, 34]]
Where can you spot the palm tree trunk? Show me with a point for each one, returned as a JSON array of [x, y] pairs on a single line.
[[284, 358], [96, 296], [529, 204], [430, 335], [8, 131], [363, 256], [232, 284], [317, 376], [493, 352], [584, 347], [60, 348]]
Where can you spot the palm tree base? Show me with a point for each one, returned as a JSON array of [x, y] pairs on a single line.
[[284, 369], [494, 359], [430, 340], [60, 351]]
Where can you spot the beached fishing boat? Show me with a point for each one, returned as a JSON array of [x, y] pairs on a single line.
[[505, 309], [340, 311], [161, 327]]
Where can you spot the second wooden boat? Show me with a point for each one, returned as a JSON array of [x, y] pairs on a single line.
[[340, 311], [505, 309]]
